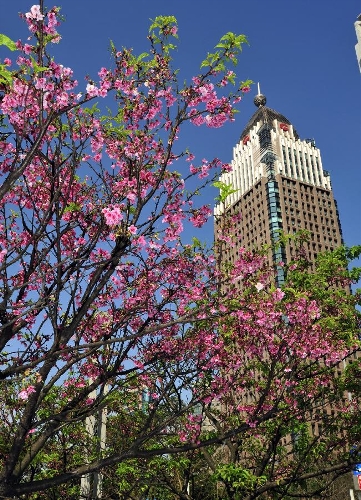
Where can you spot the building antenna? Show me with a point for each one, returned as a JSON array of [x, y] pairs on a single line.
[[259, 90]]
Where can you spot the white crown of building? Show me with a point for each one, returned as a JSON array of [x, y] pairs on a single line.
[[269, 138]]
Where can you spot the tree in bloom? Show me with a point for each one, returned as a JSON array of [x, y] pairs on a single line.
[[105, 305], [282, 389], [98, 290], [287, 376]]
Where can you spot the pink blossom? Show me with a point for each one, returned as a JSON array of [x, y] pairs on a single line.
[[132, 229], [92, 90], [24, 394], [278, 294], [63, 99], [27, 48], [227, 167], [52, 21], [138, 364], [103, 72], [200, 216], [2, 254], [35, 13], [216, 121], [141, 241], [113, 216], [103, 91], [40, 83], [197, 120], [131, 197]]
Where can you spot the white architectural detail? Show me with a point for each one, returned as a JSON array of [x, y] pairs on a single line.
[[358, 44], [294, 158]]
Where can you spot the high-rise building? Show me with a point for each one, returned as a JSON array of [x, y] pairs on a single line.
[[279, 184], [358, 44]]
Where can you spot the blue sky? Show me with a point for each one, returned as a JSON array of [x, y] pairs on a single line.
[[301, 51]]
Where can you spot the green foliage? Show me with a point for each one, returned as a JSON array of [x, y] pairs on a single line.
[[230, 45], [225, 190], [5, 40], [126, 474], [197, 244], [91, 111], [283, 239], [161, 28], [351, 379], [241, 480], [36, 68], [329, 284], [144, 478], [5, 74], [72, 207], [245, 84]]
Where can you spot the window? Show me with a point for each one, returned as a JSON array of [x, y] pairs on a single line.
[[264, 137]]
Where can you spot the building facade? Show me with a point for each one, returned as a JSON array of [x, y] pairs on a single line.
[[279, 184], [358, 44]]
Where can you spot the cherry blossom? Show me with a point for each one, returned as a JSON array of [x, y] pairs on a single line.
[[24, 394], [105, 284], [35, 13]]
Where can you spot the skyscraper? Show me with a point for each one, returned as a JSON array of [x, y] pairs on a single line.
[[279, 185], [358, 44]]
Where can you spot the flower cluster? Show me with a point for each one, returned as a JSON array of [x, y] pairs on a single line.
[[25, 393]]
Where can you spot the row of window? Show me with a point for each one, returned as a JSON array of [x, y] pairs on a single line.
[[307, 188], [312, 215], [331, 240], [298, 165]]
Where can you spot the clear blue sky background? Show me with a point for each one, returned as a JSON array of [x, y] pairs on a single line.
[[301, 51]]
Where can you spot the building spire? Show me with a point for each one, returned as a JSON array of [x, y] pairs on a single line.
[[260, 99]]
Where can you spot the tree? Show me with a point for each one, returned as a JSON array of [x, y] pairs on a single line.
[[103, 301], [98, 290], [275, 360], [307, 447]]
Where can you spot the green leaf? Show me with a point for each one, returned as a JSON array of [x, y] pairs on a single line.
[[142, 56], [196, 242], [72, 207], [225, 190], [91, 111], [5, 40], [5, 75], [36, 67]]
